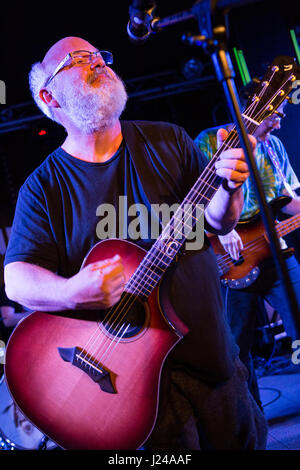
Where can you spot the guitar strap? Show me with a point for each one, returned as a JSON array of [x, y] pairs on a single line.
[[275, 161]]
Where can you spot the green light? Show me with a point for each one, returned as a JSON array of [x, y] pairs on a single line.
[[242, 66], [245, 68], [295, 44], [236, 55]]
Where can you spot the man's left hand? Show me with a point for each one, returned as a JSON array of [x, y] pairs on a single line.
[[232, 164]]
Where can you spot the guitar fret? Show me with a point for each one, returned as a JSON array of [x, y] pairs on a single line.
[[149, 278], [201, 195], [135, 282], [138, 291], [207, 184], [153, 262], [183, 221], [287, 226]]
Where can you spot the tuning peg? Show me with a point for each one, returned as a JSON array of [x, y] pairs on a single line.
[[281, 115]]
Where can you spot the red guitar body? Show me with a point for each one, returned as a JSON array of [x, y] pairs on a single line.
[[240, 274], [62, 400]]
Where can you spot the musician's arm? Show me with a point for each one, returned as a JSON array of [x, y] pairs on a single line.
[[223, 212], [293, 207], [98, 285], [35, 287]]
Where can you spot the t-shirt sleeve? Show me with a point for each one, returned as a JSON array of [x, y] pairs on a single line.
[[206, 141], [31, 238], [287, 168]]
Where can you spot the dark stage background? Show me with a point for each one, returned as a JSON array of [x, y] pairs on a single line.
[[159, 82]]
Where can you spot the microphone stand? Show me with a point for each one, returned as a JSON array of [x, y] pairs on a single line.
[[212, 38]]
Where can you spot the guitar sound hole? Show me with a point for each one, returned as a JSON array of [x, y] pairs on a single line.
[[126, 319]]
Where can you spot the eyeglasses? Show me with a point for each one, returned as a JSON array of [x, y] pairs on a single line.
[[81, 58]]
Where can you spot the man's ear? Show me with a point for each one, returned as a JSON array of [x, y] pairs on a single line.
[[48, 99]]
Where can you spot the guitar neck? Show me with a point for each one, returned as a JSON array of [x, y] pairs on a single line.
[[287, 226], [181, 225]]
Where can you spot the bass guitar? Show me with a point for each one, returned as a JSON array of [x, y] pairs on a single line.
[[241, 273], [90, 380]]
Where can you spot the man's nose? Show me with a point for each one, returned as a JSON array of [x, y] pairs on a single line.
[[97, 61], [277, 123]]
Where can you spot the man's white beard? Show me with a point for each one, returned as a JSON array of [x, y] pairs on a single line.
[[92, 109]]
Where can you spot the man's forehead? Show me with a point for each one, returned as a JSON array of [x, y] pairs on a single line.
[[61, 48]]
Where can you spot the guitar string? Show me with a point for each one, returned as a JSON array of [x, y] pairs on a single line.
[[286, 225], [152, 286], [164, 255], [232, 137], [147, 256], [248, 248], [251, 245], [134, 290], [214, 175], [135, 287], [103, 357], [270, 100]]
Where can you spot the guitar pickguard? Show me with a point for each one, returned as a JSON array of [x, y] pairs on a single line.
[[243, 281]]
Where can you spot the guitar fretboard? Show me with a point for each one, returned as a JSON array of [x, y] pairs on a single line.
[[181, 225], [287, 226], [168, 244]]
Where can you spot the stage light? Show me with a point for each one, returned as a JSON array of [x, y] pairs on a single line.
[[193, 68]]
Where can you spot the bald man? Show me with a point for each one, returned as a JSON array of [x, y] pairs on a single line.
[[204, 398]]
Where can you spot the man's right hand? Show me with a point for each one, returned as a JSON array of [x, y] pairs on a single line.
[[232, 244], [97, 286]]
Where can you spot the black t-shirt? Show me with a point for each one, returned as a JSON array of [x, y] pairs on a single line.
[[60, 207]]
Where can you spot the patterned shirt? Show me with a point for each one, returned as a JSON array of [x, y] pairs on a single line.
[[271, 179]]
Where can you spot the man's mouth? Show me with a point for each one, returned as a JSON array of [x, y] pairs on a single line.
[[96, 78], [99, 75]]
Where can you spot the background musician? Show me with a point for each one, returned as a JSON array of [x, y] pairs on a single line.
[[278, 179]]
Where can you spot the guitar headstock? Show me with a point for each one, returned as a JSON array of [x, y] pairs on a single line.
[[273, 89]]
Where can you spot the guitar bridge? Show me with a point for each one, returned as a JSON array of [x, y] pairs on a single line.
[[78, 358]]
